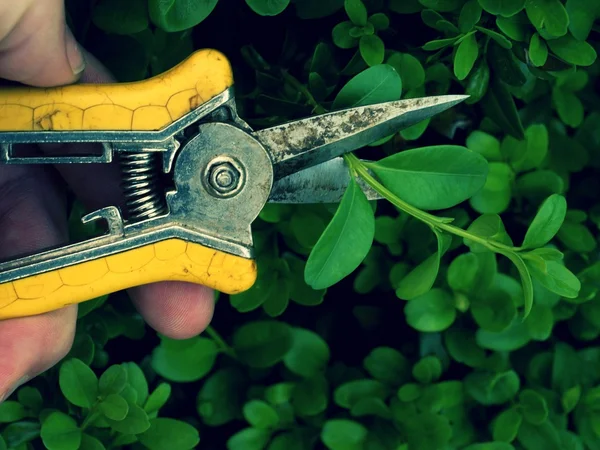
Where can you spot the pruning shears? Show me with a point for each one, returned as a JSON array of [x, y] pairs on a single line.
[[194, 177]]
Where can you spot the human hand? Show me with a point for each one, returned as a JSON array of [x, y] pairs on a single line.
[[37, 49]]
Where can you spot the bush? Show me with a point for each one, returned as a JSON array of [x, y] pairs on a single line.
[[461, 312]]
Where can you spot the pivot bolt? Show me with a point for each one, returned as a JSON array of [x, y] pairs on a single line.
[[225, 177]]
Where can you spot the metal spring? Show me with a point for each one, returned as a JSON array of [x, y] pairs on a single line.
[[143, 199]]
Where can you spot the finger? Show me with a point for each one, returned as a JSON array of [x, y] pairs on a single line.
[[36, 46], [31, 218], [176, 309]]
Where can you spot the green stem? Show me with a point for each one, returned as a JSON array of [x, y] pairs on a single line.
[[304, 91], [361, 169], [225, 348], [92, 415]]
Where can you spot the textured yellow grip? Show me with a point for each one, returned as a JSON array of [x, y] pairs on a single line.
[[146, 105], [169, 260]]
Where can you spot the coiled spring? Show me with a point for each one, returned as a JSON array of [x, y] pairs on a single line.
[[141, 183]]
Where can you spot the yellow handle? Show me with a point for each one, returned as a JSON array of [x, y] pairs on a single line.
[[146, 105], [169, 260]]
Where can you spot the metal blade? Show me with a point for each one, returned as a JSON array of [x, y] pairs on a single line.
[[323, 183], [307, 142]]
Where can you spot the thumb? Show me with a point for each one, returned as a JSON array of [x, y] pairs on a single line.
[[39, 49]]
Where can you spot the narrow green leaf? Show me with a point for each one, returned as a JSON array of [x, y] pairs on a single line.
[[376, 84], [158, 398], [345, 242], [465, 56], [557, 278], [538, 50], [169, 434], [500, 40], [432, 178], [356, 11], [525, 280], [506, 425], [499, 105], [470, 14], [421, 278], [546, 222]]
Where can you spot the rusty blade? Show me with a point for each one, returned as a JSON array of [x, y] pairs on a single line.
[[304, 143], [323, 183]]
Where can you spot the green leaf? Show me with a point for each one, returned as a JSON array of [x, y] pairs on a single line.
[[569, 107], [442, 5], [169, 434], [427, 370], [115, 16], [485, 144], [11, 411], [376, 84], [506, 425], [431, 178], [380, 21], [504, 8], [372, 49], [500, 40], [268, 7], [310, 396], [488, 226], [465, 56], [544, 436], [387, 365], [345, 242], [531, 153], [540, 322], [114, 407], [90, 443], [249, 439], [427, 431], [341, 35], [184, 360], [30, 398], [263, 343], [492, 388], [421, 278], [495, 311], [573, 51], [526, 281], [538, 50], [557, 278], [113, 380], [356, 11], [582, 14], [137, 381], [431, 312], [158, 398], [534, 406], [179, 15], [135, 422], [546, 222], [349, 394], [495, 195], [309, 354], [220, 398], [470, 14], [499, 105], [490, 446], [462, 347], [515, 27], [343, 434], [78, 383], [60, 432], [548, 15], [260, 414], [570, 398]]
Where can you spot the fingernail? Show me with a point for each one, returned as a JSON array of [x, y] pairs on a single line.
[[74, 53], [15, 386]]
